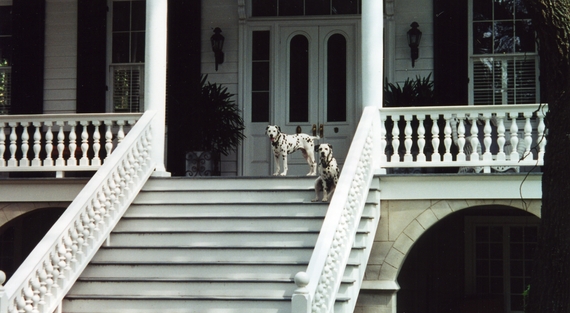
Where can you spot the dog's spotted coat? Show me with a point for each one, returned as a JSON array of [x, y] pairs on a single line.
[[328, 168], [284, 145]]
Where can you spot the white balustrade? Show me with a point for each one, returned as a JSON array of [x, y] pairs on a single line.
[[47, 274], [473, 136], [30, 141], [317, 287]]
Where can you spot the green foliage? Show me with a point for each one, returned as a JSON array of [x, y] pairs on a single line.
[[414, 92], [220, 126]]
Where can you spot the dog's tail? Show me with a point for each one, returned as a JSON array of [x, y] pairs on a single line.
[[315, 137]]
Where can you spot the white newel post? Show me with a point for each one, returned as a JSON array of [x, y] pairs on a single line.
[[155, 77], [372, 52]]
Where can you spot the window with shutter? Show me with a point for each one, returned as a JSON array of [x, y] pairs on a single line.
[[503, 61], [5, 58], [127, 55]]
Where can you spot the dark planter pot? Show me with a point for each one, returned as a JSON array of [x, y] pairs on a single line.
[[202, 163]]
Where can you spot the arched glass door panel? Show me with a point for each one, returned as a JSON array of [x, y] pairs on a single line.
[[299, 79]]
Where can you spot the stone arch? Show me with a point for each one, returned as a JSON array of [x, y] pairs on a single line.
[[12, 210], [21, 231], [404, 221]]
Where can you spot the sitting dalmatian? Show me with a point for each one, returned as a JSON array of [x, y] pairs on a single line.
[[284, 144], [328, 168]]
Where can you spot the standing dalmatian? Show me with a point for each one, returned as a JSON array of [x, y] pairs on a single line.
[[284, 144], [328, 168]]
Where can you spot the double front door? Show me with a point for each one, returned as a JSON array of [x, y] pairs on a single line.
[[311, 88]]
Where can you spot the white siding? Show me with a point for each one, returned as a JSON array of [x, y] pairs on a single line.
[[406, 12], [60, 75], [222, 14]]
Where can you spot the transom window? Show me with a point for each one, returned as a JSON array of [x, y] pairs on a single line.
[[504, 60], [304, 7]]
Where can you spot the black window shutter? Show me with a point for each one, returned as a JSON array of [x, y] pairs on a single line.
[[450, 52], [28, 59], [91, 55], [184, 63]]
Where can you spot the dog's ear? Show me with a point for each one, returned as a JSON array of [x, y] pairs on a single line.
[[266, 128], [279, 128], [330, 146]]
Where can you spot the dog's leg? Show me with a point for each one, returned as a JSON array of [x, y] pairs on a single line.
[[310, 159], [285, 167], [277, 167], [318, 188], [325, 191], [331, 191]]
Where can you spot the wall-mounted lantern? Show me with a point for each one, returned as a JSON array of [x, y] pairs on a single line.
[[217, 41], [414, 38]]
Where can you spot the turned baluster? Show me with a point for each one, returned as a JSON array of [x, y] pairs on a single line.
[[501, 137], [12, 162], [527, 136], [2, 145], [60, 144], [25, 162], [435, 157], [474, 138], [487, 140], [49, 144], [447, 157], [108, 138], [461, 156], [36, 162], [541, 136], [121, 132], [96, 144], [514, 133], [421, 138], [395, 140], [84, 161], [72, 161], [408, 138]]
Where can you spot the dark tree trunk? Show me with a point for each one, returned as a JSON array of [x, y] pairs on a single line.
[[550, 286]]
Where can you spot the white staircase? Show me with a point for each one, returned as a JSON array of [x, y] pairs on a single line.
[[214, 245]]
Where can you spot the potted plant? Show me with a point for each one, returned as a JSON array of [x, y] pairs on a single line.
[[216, 129]]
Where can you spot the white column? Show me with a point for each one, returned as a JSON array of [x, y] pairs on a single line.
[[372, 52], [155, 77]]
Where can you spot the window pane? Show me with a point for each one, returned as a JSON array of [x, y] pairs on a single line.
[[299, 79], [264, 7], [5, 20], [336, 79], [138, 15], [121, 48], [345, 7], [504, 37], [504, 9], [525, 37], [137, 47], [127, 88], [260, 46], [482, 10], [318, 7], [482, 38], [5, 51], [260, 107], [260, 76], [121, 16], [290, 7]]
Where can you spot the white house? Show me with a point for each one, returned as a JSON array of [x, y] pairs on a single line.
[[438, 202]]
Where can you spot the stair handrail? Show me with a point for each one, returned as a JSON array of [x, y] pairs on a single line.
[[319, 285], [50, 270]]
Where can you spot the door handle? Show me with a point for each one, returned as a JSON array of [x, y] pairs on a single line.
[[314, 130], [322, 130], [298, 130]]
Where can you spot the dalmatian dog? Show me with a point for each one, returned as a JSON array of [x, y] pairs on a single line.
[[328, 168], [284, 145]]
